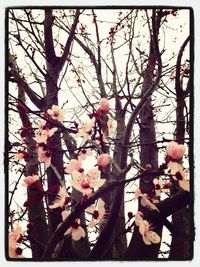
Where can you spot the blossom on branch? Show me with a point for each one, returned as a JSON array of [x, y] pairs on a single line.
[[75, 230], [56, 113], [21, 154], [180, 174], [147, 234], [84, 153], [14, 242], [97, 212], [73, 165], [29, 180], [112, 126], [62, 198], [44, 156], [104, 105], [85, 130], [103, 161], [85, 183], [44, 134], [160, 186], [145, 201], [175, 151]]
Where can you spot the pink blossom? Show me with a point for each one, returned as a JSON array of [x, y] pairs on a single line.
[[185, 185], [103, 160], [148, 236], [104, 105], [56, 113], [85, 129], [84, 153], [112, 126], [29, 180], [138, 218], [60, 199], [145, 201], [76, 231], [44, 156], [177, 170], [44, 134], [98, 213], [160, 186], [175, 151], [14, 242], [73, 164], [20, 155], [85, 183]]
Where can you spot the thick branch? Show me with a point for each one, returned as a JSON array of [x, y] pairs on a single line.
[[48, 36]]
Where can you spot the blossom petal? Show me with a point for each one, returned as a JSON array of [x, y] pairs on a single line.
[[98, 183], [153, 237], [185, 185], [78, 233]]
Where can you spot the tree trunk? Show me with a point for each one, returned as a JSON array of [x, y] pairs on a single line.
[[148, 157], [120, 242], [38, 232]]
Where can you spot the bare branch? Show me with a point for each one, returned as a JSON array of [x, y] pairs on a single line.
[[23, 85]]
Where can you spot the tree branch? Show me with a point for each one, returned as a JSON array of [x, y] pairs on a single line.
[[23, 85], [65, 54], [178, 87], [82, 205]]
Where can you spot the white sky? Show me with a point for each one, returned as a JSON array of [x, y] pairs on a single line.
[[197, 109]]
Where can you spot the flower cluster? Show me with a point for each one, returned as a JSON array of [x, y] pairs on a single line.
[[103, 161], [73, 165]]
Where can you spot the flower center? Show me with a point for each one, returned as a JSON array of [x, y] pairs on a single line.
[[157, 187], [85, 184], [48, 154], [95, 214], [75, 225], [56, 114], [19, 251], [67, 200]]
